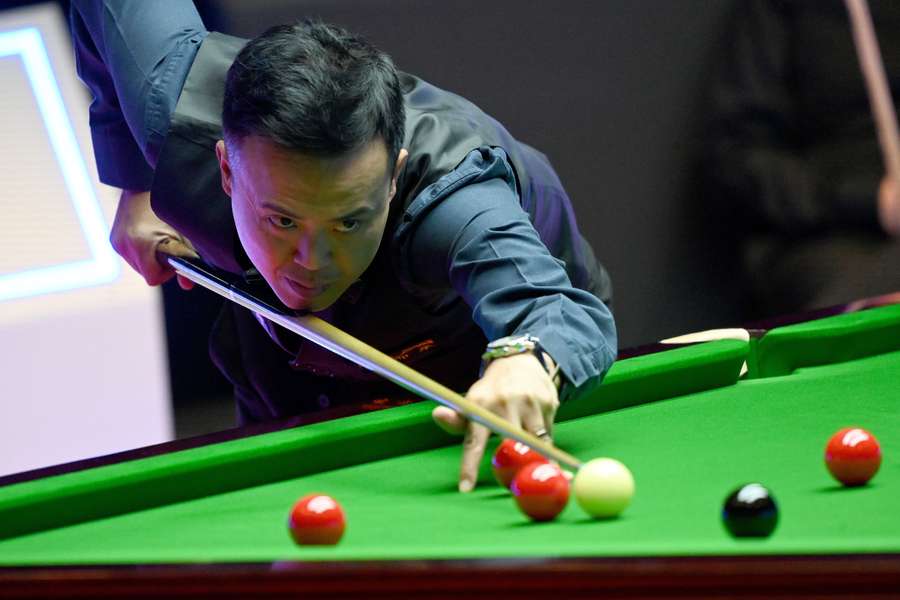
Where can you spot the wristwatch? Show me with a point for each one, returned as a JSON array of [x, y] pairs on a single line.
[[515, 344]]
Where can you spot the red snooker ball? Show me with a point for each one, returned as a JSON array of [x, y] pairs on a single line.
[[316, 519], [510, 457], [853, 456], [541, 490]]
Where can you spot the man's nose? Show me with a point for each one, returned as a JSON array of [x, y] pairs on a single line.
[[313, 251]]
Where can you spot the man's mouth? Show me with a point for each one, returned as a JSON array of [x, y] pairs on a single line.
[[307, 289]]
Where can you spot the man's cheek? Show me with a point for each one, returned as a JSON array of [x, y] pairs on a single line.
[[258, 249]]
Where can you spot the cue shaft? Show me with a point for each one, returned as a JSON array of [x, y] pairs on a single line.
[[876, 83], [347, 346], [344, 344]]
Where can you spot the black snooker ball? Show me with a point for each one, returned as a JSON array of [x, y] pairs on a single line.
[[750, 511]]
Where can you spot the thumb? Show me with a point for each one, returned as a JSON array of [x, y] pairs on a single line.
[[176, 247], [449, 420]]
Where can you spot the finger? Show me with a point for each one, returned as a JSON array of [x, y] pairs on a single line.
[[449, 420], [183, 282], [154, 271], [549, 412], [534, 421], [474, 444]]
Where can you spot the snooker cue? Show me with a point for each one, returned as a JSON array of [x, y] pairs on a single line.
[[876, 84], [345, 345]]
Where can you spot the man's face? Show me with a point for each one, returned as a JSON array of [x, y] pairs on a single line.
[[310, 225]]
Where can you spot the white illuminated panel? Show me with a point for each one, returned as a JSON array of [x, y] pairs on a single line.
[[82, 348], [102, 267]]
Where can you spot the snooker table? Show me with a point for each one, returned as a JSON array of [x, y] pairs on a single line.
[[207, 517]]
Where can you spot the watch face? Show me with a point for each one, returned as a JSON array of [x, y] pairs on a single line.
[[504, 341], [510, 345], [526, 342]]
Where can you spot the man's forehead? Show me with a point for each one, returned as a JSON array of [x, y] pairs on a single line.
[[357, 166], [278, 176]]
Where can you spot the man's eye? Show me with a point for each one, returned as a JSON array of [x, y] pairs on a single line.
[[281, 222], [348, 225]]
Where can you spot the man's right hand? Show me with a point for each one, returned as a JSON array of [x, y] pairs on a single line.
[[141, 238]]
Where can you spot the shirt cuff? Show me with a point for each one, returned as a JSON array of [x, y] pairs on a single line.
[[580, 339], [120, 163]]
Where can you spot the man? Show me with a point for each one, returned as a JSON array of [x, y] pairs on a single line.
[[397, 211]]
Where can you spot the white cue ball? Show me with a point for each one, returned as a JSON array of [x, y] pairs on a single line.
[[603, 487]]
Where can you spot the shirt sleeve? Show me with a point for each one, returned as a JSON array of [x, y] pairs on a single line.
[[479, 241], [120, 162], [133, 57]]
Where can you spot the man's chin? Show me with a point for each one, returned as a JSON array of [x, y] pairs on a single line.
[[313, 306], [296, 301]]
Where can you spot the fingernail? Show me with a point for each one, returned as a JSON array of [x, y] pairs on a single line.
[[466, 485]]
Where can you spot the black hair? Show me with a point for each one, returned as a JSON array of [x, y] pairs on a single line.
[[316, 89]]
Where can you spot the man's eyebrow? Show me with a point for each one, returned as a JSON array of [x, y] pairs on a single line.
[[358, 212], [277, 208]]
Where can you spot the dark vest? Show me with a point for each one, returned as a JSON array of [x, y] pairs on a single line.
[[435, 335]]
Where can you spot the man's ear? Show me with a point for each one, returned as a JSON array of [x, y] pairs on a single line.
[[224, 167], [398, 168]]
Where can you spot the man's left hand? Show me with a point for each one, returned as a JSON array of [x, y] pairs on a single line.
[[516, 388], [889, 205]]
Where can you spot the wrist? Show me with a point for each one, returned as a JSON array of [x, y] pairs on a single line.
[[521, 344]]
